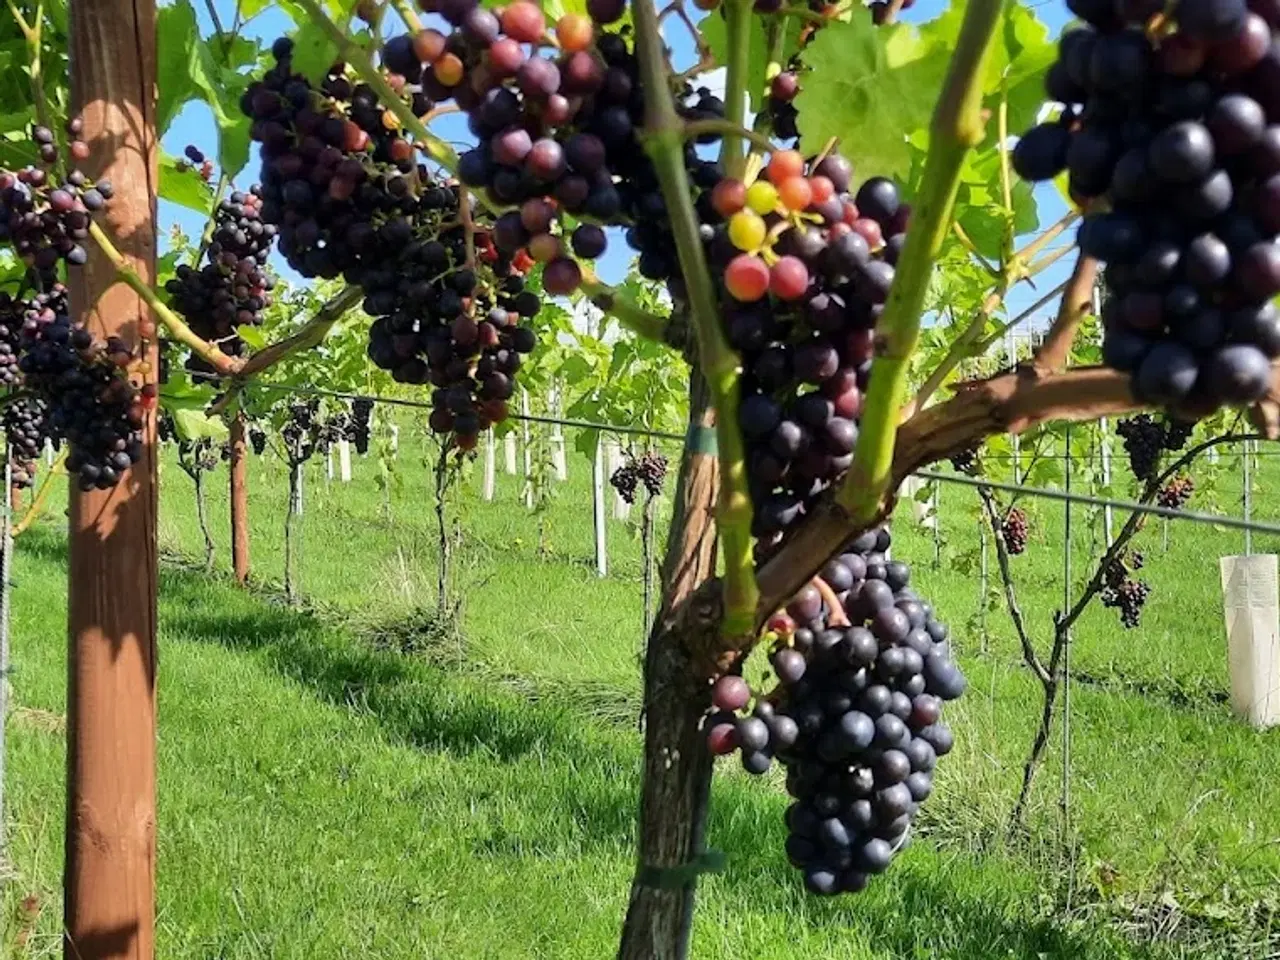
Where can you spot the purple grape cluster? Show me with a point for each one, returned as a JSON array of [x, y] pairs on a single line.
[[1146, 439], [1016, 531], [47, 222], [1178, 130], [361, 417], [233, 288], [1175, 494], [648, 470], [26, 427], [349, 199], [90, 402], [1121, 591], [855, 719], [806, 361]]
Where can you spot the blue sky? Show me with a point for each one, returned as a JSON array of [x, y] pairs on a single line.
[[195, 125]]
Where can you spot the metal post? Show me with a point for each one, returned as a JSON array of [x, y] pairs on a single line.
[[597, 510], [1066, 650], [6, 556], [937, 525], [1105, 447], [1248, 502]]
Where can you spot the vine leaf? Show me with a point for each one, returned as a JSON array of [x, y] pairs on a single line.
[[871, 87], [184, 187], [177, 37]]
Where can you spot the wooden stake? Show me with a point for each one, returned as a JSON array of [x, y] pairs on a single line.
[[109, 879]]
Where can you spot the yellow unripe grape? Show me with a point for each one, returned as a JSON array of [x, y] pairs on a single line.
[[762, 197], [746, 230]]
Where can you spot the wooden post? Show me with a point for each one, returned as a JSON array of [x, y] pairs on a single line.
[[109, 878], [239, 500]]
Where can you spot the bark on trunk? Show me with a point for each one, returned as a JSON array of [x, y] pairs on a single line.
[[201, 515], [239, 501], [442, 533], [290, 524], [677, 765], [109, 879]]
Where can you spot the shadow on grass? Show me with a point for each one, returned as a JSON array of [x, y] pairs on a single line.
[[930, 905]]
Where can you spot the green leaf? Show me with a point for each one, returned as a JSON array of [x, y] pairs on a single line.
[[197, 425], [177, 36], [871, 87], [252, 335], [313, 52], [222, 87], [184, 187]]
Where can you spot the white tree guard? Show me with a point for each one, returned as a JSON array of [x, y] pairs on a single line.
[[490, 458], [344, 461], [921, 513], [509, 454], [297, 489], [395, 440], [328, 464], [1251, 604]]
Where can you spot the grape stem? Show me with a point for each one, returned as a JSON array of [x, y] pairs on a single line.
[[677, 7], [836, 617], [664, 141], [42, 496], [32, 33], [206, 236], [1077, 303], [737, 15], [632, 316], [956, 128], [695, 128], [437, 149], [468, 225], [177, 327], [408, 15]]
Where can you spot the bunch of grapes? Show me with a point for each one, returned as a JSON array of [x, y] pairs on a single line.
[[12, 316], [1121, 591], [200, 456], [966, 462], [90, 401], [301, 432], [855, 719], [649, 469], [1146, 438], [1175, 494], [1015, 530], [1172, 120], [806, 269], [333, 430], [47, 222], [361, 414], [342, 184], [781, 110], [26, 427], [232, 289], [257, 440]]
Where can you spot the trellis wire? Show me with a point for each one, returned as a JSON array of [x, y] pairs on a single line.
[[1248, 524]]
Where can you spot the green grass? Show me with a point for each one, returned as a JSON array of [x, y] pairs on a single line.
[[321, 796]]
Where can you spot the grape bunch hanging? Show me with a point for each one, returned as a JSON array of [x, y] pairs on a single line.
[[341, 181], [47, 222], [1015, 529], [90, 401], [855, 718], [806, 268], [361, 416], [1146, 439], [1175, 494], [648, 470], [1170, 136], [26, 426], [233, 287], [1121, 591]]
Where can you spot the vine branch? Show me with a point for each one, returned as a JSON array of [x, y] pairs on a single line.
[[957, 127], [631, 315], [36, 506], [664, 141], [1077, 302], [174, 324]]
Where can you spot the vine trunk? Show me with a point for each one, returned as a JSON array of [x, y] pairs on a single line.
[[677, 766]]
